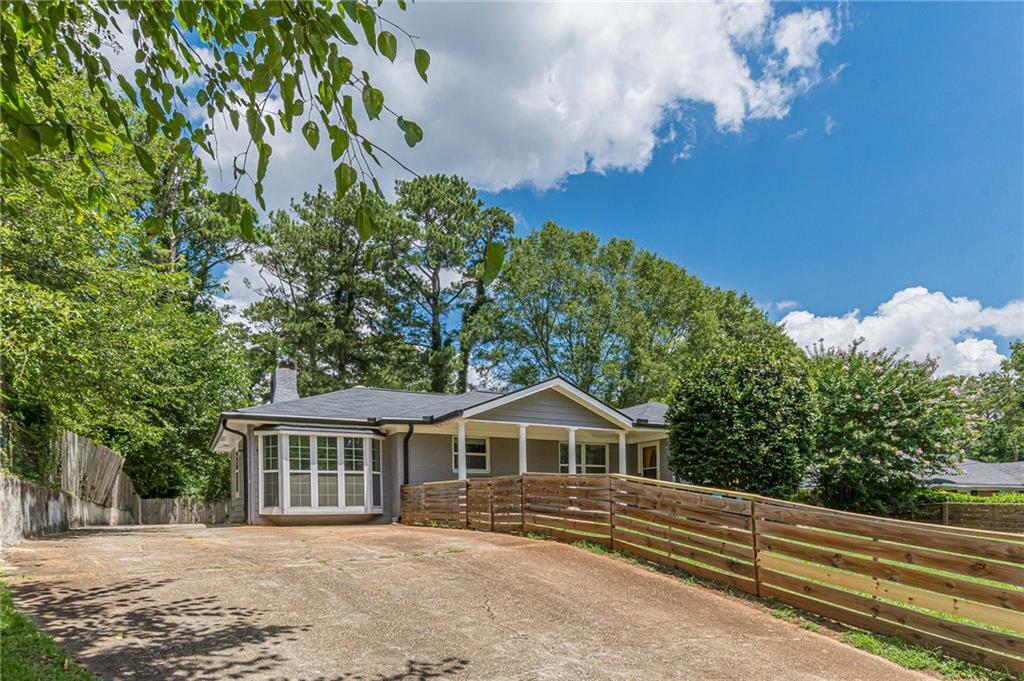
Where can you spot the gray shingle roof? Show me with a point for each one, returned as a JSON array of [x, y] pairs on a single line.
[[360, 404], [654, 412], [979, 474]]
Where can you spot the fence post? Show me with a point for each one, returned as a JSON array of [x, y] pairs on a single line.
[[753, 534], [611, 514], [522, 504], [945, 513]]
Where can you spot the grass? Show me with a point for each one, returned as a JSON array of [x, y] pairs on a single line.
[[26, 654], [921, 659], [894, 650]]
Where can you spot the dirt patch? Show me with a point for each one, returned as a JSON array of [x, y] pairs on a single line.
[[391, 602]]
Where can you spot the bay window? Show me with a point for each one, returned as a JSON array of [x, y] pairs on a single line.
[[354, 482], [590, 458], [271, 481], [320, 473], [327, 471], [299, 474]]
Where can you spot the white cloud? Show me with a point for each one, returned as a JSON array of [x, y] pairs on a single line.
[[244, 282], [527, 94], [830, 124], [921, 323], [796, 135]]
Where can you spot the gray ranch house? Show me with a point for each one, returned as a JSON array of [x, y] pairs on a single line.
[[343, 456]]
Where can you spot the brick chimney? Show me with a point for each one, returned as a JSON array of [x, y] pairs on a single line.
[[284, 385]]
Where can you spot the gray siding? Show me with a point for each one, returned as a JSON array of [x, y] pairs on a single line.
[[237, 505], [549, 408]]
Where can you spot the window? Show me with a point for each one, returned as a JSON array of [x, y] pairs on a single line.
[[327, 471], [590, 458], [271, 485], [647, 461], [355, 493], [299, 470], [478, 458], [375, 470]]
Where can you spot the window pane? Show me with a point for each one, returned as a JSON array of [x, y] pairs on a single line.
[[327, 489], [563, 454], [300, 492], [298, 452], [375, 456], [376, 489], [327, 454], [354, 495], [270, 489], [476, 462], [270, 452], [354, 454], [596, 455]]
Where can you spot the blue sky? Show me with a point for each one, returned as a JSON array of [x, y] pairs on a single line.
[[921, 182], [857, 168]]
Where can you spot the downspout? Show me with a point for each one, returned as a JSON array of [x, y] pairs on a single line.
[[405, 455], [245, 470]]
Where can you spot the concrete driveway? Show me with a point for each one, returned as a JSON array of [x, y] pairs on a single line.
[[390, 602]]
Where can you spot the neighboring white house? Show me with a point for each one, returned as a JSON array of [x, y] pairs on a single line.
[[981, 479], [343, 456]]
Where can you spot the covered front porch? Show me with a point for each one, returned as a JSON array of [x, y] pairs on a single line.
[[472, 448]]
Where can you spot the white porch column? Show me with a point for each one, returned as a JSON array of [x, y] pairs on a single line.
[[522, 449], [462, 450], [572, 451], [622, 452]]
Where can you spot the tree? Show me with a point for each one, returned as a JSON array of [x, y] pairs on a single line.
[[996, 400], [742, 418], [239, 55], [616, 320], [195, 230], [101, 338], [326, 306], [884, 422], [451, 250]]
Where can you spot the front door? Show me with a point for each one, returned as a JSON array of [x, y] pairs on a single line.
[[647, 463]]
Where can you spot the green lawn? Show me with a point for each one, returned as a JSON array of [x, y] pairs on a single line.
[[26, 654]]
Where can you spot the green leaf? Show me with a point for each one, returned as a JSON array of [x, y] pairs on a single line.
[[413, 132], [261, 166], [494, 258], [387, 43], [339, 142], [344, 178], [368, 20], [373, 101], [145, 160], [256, 129], [422, 60], [153, 226], [312, 133], [28, 138], [366, 221]]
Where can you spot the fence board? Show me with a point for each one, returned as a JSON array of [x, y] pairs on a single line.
[[939, 586]]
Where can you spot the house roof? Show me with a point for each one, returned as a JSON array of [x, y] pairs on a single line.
[[654, 412], [978, 474], [376, 406], [365, 404]]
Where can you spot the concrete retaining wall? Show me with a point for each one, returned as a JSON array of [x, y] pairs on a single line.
[[29, 510], [184, 511]]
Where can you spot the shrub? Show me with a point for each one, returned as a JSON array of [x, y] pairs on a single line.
[[884, 422], [741, 419], [936, 496]]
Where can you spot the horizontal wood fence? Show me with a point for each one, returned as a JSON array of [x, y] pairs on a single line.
[[999, 517], [956, 589]]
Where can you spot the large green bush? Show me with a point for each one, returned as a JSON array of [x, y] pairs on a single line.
[[884, 422], [741, 418]]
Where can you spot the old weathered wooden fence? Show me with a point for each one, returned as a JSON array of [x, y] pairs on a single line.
[[175, 511], [960, 590], [985, 516], [93, 472]]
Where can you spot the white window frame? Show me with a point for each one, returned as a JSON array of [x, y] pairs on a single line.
[[284, 506], [657, 458], [455, 455], [581, 458]]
